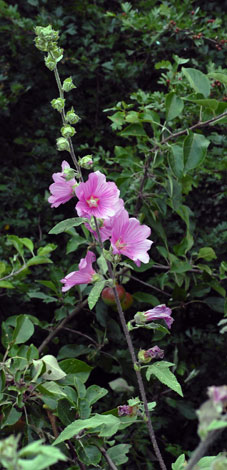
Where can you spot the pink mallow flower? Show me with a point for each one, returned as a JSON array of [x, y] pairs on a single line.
[[97, 197], [106, 225], [129, 238], [161, 312], [61, 190], [85, 274], [218, 394]]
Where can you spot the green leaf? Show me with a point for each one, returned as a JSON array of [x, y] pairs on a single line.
[[102, 264], [195, 148], [221, 77], [207, 103], [74, 367], [38, 260], [120, 385], [118, 453], [24, 329], [95, 293], [51, 388], [105, 425], [66, 225], [89, 455], [215, 303], [46, 250], [28, 243], [180, 267], [94, 393], [74, 243], [207, 253], [53, 370], [198, 80], [176, 160], [179, 464], [216, 424], [146, 298], [161, 371], [174, 106], [136, 130], [6, 285], [11, 417]]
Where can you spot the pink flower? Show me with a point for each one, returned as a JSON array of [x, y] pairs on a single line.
[[83, 276], [97, 197], [154, 353], [161, 312], [129, 238], [218, 394], [106, 225], [61, 190]]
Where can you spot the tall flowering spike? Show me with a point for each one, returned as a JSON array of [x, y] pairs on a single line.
[[97, 197], [61, 190], [83, 276], [129, 238], [161, 312]]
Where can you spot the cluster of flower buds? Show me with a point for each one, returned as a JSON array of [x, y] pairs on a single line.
[[46, 40]]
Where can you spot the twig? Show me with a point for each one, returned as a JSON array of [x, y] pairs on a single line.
[[62, 324], [164, 141], [201, 450], [108, 459]]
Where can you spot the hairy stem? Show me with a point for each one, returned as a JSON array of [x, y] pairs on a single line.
[[134, 361]]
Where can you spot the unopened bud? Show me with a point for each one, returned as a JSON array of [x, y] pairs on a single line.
[[86, 162], [57, 52], [72, 117], [142, 357], [68, 84], [96, 277], [69, 174], [50, 62], [67, 131], [58, 104], [62, 144]]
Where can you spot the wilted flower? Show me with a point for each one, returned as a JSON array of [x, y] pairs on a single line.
[[85, 275], [126, 410], [129, 238], [97, 197], [61, 190], [161, 312], [149, 354], [218, 394]]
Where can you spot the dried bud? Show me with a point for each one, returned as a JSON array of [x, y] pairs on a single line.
[[62, 144], [71, 117], [68, 84], [58, 104], [67, 131]]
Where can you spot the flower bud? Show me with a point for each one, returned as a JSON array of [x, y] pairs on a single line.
[[67, 131], [50, 62], [56, 52], [142, 357], [140, 318], [68, 84], [62, 144], [72, 117], [96, 277], [69, 174], [58, 104], [86, 162]]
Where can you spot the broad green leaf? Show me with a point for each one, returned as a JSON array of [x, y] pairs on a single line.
[[174, 106], [6, 285], [66, 224], [207, 103], [132, 116], [198, 80], [176, 160], [38, 260], [53, 370], [46, 250], [49, 284], [118, 119], [161, 371], [207, 253], [120, 385], [107, 425], [184, 246], [51, 388], [2, 267], [215, 303], [95, 293], [16, 242], [38, 456], [65, 412], [205, 463], [180, 463], [146, 298], [179, 267], [74, 243], [24, 329], [28, 243], [89, 455], [94, 393], [74, 367], [136, 130], [102, 264], [195, 148], [12, 416], [118, 453]]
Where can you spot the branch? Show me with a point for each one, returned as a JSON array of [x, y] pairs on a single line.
[[201, 450], [164, 141], [61, 325], [108, 459]]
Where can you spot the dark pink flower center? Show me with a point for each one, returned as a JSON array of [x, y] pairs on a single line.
[[120, 244], [92, 201]]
